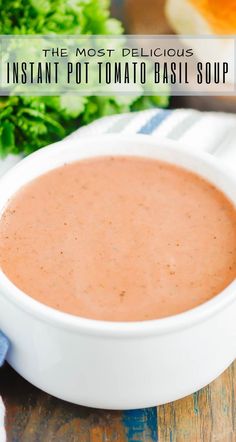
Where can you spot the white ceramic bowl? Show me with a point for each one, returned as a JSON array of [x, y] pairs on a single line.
[[117, 365]]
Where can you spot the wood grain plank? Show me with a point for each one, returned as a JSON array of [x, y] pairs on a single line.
[[207, 416], [140, 425]]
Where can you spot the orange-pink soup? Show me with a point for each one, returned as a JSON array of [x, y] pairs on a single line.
[[119, 239]]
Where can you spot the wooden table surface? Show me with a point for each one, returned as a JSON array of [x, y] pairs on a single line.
[[33, 416]]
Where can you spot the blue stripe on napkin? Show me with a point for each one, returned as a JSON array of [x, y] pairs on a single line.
[[154, 122], [4, 345]]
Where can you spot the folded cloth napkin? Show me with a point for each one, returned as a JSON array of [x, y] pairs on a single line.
[[4, 344], [204, 131], [213, 132]]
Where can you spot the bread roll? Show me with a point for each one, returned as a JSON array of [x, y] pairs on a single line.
[[202, 16]]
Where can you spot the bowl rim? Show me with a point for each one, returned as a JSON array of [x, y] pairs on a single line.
[[119, 329]]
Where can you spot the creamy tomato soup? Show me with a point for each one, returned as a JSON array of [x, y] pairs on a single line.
[[120, 239]]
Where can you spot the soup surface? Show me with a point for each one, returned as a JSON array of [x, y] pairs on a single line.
[[120, 239]]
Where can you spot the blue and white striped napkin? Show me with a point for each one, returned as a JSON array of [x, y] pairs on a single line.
[[213, 132], [202, 131]]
